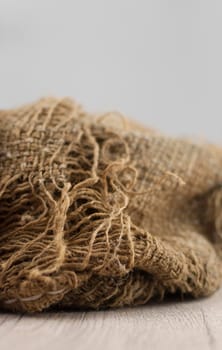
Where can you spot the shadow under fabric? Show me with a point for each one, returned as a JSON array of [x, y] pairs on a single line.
[[97, 211]]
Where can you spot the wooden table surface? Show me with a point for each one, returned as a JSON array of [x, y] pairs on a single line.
[[169, 325]]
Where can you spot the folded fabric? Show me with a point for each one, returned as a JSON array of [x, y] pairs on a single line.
[[97, 211]]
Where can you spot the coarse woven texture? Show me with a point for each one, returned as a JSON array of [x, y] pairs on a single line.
[[97, 211]]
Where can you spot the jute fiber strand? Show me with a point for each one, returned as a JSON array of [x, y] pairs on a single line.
[[97, 211]]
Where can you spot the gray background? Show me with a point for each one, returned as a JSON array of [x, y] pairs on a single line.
[[156, 61]]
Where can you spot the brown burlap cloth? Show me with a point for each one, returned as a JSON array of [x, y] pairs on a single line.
[[96, 211]]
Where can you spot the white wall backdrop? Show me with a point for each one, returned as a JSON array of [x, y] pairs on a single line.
[[158, 61]]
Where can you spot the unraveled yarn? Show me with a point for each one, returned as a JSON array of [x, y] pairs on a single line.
[[97, 211]]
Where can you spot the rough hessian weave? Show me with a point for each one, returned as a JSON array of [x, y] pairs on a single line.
[[96, 211]]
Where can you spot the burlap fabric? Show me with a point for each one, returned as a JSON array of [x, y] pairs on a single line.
[[100, 212]]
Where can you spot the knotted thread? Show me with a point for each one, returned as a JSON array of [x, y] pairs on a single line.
[[98, 214]]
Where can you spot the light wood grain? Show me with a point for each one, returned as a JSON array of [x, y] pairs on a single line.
[[171, 325]]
